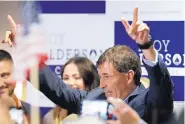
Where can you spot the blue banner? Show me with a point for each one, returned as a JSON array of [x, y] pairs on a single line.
[[73, 7]]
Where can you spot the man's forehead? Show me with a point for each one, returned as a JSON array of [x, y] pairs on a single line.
[[6, 66], [106, 67]]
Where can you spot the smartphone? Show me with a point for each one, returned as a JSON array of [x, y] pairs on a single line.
[[98, 108]]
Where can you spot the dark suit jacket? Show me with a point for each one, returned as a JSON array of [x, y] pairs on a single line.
[[156, 101]]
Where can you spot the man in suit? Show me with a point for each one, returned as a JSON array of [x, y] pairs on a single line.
[[120, 71]]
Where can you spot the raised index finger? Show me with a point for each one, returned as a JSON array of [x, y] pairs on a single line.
[[12, 23], [135, 15]]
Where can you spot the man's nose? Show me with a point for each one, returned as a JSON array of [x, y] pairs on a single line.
[[2, 84], [102, 84], [71, 82]]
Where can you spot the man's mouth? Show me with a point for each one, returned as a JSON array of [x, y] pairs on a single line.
[[108, 93], [2, 91]]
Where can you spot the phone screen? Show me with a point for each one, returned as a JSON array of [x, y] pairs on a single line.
[[98, 108], [94, 108]]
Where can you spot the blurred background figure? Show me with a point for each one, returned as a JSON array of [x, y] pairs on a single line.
[[79, 73], [84, 120], [7, 87]]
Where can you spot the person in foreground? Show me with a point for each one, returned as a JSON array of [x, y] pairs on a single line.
[[120, 71], [123, 112]]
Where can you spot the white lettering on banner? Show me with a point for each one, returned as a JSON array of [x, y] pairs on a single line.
[[165, 42], [169, 59], [159, 44], [168, 62], [177, 60], [172, 70], [58, 70]]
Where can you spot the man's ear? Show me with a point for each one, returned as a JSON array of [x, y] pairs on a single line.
[[130, 76]]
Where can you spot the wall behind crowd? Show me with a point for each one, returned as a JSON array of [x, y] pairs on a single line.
[[88, 28]]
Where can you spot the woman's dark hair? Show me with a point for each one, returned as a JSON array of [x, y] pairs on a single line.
[[87, 70]]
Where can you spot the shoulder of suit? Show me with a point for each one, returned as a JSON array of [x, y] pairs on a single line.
[[95, 93], [98, 89]]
